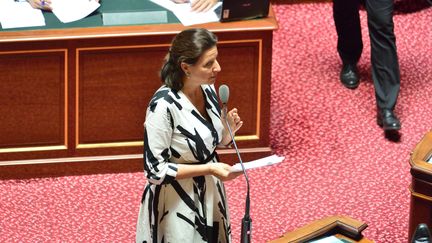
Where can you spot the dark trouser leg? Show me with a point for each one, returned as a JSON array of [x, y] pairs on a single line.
[[347, 21], [385, 66]]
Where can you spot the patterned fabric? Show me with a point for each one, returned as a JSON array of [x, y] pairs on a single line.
[[186, 210]]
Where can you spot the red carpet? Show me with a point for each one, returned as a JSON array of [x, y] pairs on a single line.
[[338, 160]]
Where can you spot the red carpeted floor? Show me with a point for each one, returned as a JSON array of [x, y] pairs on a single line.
[[338, 160]]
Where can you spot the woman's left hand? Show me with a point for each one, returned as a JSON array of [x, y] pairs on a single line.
[[43, 4], [234, 122]]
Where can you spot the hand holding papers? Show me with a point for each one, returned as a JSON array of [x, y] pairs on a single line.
[[270, 160], [202, 5], [183, 11], [40, 4], [18, 14]]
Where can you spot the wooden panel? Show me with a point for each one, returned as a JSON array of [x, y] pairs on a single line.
[[421, 187], [241, 72], [91, 107], [114, 87], [33, 100], [420, 206]]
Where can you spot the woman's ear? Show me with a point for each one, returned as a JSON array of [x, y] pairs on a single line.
[[186, 68]]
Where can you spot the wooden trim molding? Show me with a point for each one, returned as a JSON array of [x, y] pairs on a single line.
[[117, 157], [421, 153], [33, 149], [419, 195], [340, 224]]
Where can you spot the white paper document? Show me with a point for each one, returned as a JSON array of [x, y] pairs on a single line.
[[19, 14], [270, 160], [72, 10], [168, 4], [330, 239], [187, 17], [184, 13]]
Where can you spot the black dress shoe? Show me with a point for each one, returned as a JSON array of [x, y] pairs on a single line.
[[388, 120], [349, 76], [421, 234]]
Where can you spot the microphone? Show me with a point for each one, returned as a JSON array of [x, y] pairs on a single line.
[[224, 96], [246, 228]]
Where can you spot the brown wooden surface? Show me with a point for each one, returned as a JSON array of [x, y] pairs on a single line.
[[80, 94], [32, 92], [340, 226], [264, 24], [421, 186]]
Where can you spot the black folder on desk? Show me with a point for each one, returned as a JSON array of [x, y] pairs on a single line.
[[231, 10]]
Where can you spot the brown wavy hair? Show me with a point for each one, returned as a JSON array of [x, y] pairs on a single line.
[[187, 47]]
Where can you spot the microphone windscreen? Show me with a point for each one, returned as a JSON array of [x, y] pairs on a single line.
[[224, 93]]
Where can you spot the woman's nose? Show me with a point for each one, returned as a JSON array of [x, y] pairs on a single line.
[[217, 68]]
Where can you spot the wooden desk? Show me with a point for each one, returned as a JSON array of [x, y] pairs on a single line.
[[80, 94], [342, 227], [421, 184]]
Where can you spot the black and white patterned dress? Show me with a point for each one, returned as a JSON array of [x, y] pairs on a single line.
[[186, 210]]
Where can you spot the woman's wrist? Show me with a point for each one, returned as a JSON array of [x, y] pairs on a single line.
[[229, 143], [209, 169], [227, 140]]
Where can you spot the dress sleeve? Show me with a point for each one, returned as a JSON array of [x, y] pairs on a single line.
[[157, 140]]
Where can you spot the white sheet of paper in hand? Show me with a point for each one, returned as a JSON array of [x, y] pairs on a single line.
[[72, 10], [270, 160]]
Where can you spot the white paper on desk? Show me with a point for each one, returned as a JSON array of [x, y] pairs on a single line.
[[72, 10], [187, 17], [19, 14], [168, 4], [183, 12], [270, 160]]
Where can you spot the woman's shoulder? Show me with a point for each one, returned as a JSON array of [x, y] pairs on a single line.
[[164, 97]]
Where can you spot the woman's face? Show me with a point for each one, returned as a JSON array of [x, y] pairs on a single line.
[[205, 70]]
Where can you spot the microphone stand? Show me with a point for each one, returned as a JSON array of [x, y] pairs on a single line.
[[246, 227]]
